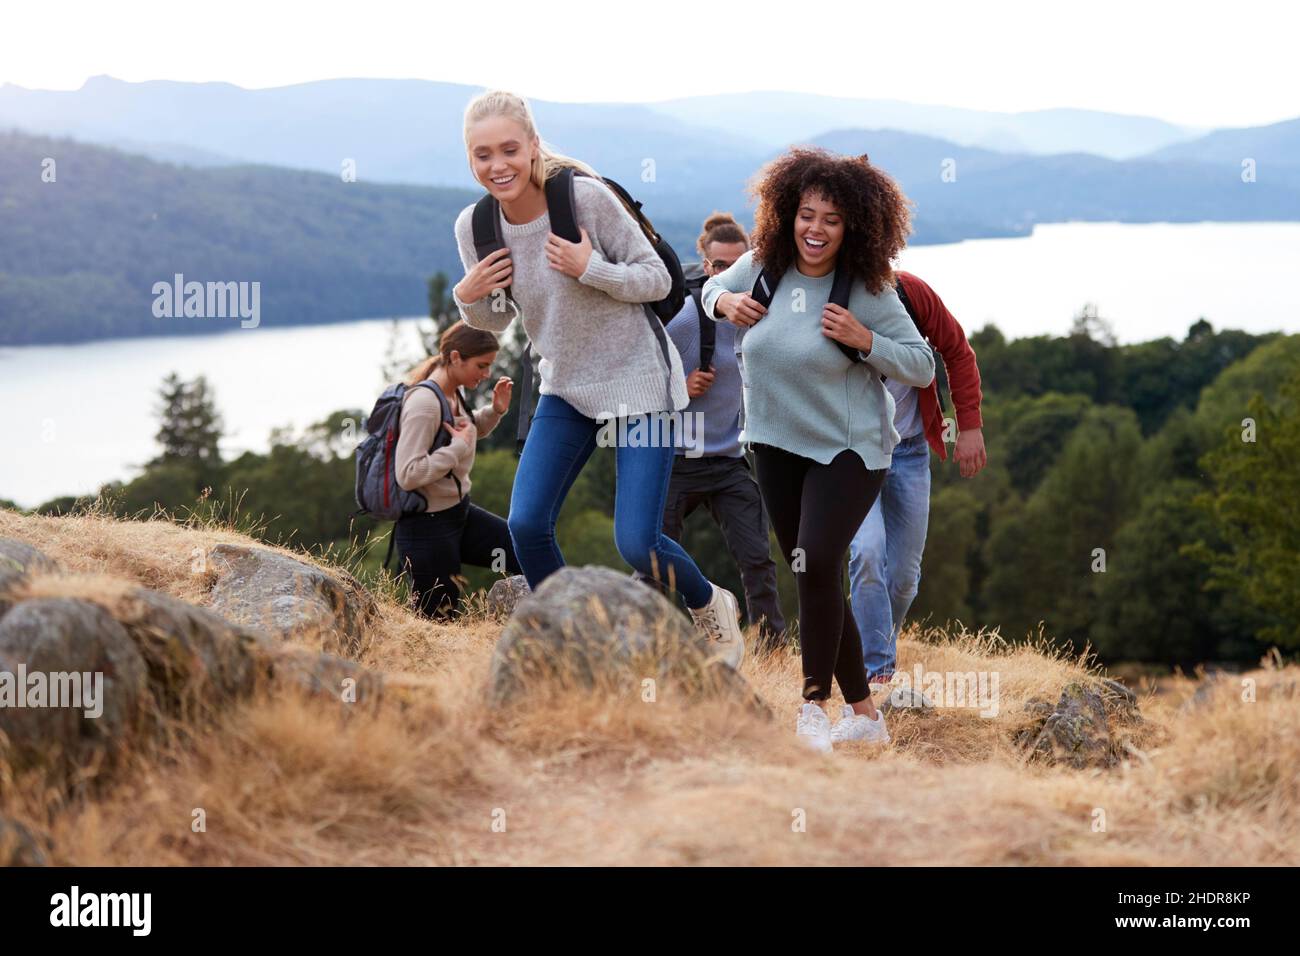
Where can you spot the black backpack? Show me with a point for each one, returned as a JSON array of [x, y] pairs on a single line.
[[940, 371], [563, 211], [695, 279]]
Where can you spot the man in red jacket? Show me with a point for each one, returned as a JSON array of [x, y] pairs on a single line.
[[885, 556]]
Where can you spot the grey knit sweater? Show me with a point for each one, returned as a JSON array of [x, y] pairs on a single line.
[[598, 350]]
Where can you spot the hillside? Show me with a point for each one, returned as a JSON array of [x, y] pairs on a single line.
[[79, 256], [592, 778], [1273, 147], [403, 130]]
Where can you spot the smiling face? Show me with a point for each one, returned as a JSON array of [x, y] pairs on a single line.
[[818, 234], [501, 156], [472, 372]]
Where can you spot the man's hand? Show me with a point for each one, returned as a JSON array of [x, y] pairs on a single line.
[[970, 454], [699, 381], [571, 258]]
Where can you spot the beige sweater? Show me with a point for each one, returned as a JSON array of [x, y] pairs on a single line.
[[417, 470]]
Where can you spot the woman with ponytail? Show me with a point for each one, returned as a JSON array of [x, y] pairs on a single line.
[[431, 547], [601, 364]]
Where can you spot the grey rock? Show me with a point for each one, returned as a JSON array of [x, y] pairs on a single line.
[[287, 598], [323, 675], [17, 559], [593, 627], [197, 660], [66, 636], [1077, 733], [20, 846], [504, 594]]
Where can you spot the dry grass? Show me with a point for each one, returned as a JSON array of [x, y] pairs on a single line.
[[610, 779]]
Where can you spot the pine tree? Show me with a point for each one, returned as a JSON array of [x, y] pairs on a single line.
[[189, 425]]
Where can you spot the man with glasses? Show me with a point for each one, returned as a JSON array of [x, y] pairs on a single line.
[[718, 476]]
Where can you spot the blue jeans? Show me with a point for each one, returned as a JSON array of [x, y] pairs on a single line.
[[885, 555], [560, 441]]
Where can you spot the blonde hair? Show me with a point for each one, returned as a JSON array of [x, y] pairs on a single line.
[[547, 162], [459, 337]]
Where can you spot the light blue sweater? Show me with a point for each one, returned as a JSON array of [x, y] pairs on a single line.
[[801, 393]]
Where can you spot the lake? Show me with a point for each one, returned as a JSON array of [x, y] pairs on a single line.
[[81, 415]]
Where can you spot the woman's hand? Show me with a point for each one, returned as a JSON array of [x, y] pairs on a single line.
[[839, 324], [501, 395], [462, 432], [490, 273], [571, 258], [739, 308]]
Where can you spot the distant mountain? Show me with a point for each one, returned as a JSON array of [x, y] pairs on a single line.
[[407, 131], [1008, 194], [79, 256], [1270, 146], [779, 118]]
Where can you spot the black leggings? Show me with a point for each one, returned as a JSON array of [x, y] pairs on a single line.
[[431, 548], [818, 508]]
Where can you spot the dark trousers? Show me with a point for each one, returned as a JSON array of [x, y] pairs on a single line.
[[431, 548], [815, 510], [726, 487]]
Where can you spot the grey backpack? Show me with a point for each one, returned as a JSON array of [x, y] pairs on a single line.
[[377, 492]]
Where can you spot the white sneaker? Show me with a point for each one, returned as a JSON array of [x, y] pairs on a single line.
[[814, 728], [853, 726], [720, 622]]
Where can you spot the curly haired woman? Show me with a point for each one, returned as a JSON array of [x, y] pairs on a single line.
[[817, 414]]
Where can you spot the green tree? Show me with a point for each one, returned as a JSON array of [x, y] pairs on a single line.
[[1153, 600], [1255, 505], [189, 430], [1044, 560]]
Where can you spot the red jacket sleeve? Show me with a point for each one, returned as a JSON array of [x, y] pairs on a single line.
[[945, 333]]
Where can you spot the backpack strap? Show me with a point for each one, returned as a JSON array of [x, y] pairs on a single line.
[[708, 327], [442, 438], [940, 381], [841, 288], [562, 206], [486, 221]]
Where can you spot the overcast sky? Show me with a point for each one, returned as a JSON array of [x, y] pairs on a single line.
[[1196, 63]]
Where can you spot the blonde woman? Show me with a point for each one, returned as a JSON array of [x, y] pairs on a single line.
[[581, 307]]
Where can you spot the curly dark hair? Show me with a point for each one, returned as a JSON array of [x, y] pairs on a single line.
[[877, 216]]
